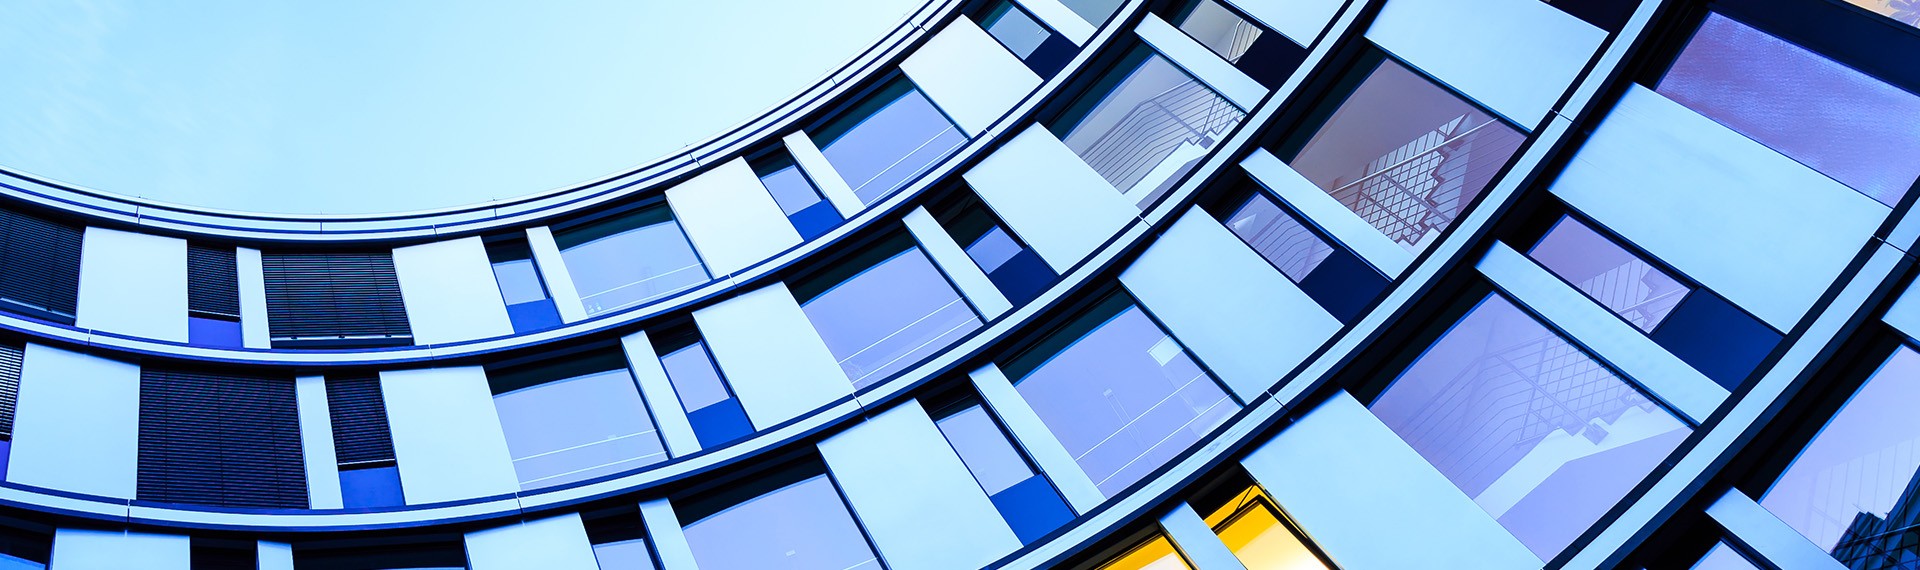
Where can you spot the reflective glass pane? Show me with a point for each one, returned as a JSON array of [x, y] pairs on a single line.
[[1723, 557], [1624, 283], [694, 377], [1218, 28], [15, 563], [1251, 528], [802, 526], [900, 136], [1853, 490], [519, 281], [1156, 554], [1015, 29], [623, 555], [630, 260], [1094, 12], [1859, 130], [1145, 123], [888, 317], [1405, 154], [790, 188], [1125, 398], [1279, 237], [578, 428], [995, 463], [993, 249], [1535, 431]]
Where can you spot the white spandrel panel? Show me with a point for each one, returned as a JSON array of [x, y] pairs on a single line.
[[1338, 470], [555, 543], [253, 298], [1298, 20], [1767, 233], [913, 494], [1242, 317], [731, 219], [133, 284], [450, 292], [1058, 204], [316, 442], [446, 435], [79, 549], [771, 356], [1200, 62], [1515, 57], [969, 75], [77, 424], [1061, 18]]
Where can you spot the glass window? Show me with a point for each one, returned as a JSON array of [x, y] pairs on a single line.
[[897, 309], [1157, 553], [1724, 557], [1903, 11], [796, 194], [791, 519], [1859, 130], [629, 259], [1279, 237], [1252, 528], [1015, 269], [574, 420], [1094, 12], [528, 305], [1016, 30], [1025, 499], [1219, 28], [1121, 395], [1405, 154], [619, 539], [888, 140], [711, 407], [1144, 124], [1852, 490], [1539, 434], [363, 487], [1623, 282]]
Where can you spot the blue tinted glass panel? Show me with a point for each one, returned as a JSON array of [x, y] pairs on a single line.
[[533, 316], [720, 423], [13, 563], [578, 428], [790, 188], [1218, 28], [993, 249], [1015, 29], [1032, 508], [1859, 130], [213, 332], [1124, 399], [629, 261], [624, 555], [890, 316], [995, 463], [803, 526], [371, 487], [1279, 237], [1540, 435], [694, 377], [519, 281], [1623, 282], [1853, 488], [815, 220], [1151, 121], [893, 145]]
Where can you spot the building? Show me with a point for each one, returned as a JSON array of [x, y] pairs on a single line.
[[1052, 283]]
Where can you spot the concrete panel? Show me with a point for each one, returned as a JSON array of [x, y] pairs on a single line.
[[824, 176], [75, 549], [450, 292], [1515, 57], [1061, 18], [969, 76], [446, 435], [133, 284], [774, 360], [731, 219], [553, 270], [77, 428], [1045, 193]]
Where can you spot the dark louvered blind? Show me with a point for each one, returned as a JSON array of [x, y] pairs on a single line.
[[39, 263], [334, 298], [12, 356], [361, 437], [213, 281], [221, 439]]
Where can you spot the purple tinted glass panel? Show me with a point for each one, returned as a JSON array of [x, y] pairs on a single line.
[[578, 428], [893, 146], [1903, 11], [801, 526], [1125, 399], [1280, 238], [993, 460], [1405, 154], [1858, 472], [519, 281], [993, 249], [790, 189], [1839, 121], [694, 378], [1541, 436], [889, 316], [1618, 279], [1723, 557], [1151, 123]]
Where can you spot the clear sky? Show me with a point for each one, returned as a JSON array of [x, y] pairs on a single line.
[[363, 106]]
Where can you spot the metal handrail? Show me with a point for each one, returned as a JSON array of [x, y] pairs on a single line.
[[1132, 147]]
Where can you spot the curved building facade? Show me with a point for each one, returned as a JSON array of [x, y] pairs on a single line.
[[1092, 284]]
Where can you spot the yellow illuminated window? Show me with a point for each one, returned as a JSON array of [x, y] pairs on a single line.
[[1154, 554], [1251, 528]]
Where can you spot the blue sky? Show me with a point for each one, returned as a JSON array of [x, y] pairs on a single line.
[[361, 106]]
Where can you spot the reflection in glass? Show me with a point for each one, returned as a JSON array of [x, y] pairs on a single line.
[[1156, 553], [1124, 398], [1015, 29], [802, 525], [1627, 285], [1539, 434], [1279, 237], [1144, 124], [1015, 269], [575, 421], [1250, 526], [1853, 491], [1723, 557], [1218, 28], [1405, 154], [1094, 12], [888, 140], [1859, 130], [711, 407], [629, 259], [889, 315], [1903, 11], [529, 307], [810, 213], [1028, 502]]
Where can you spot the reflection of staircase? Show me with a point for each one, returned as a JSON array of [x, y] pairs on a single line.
[[1414, 192], [1187, 113]]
